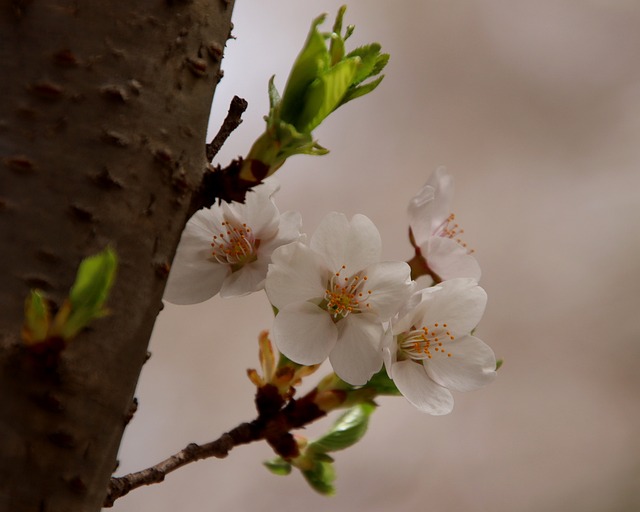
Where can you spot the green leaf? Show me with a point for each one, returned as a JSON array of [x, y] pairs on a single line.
[[356, 92], [321, 478], [326, 92], [368, 58], [285, 138], [274, 96], [313, 148], [312, 61], [278, 466], [346, 431], [94, 279], [499, 364], [292, 142], [90, 291], [337, 25], [349, 32], [383, 384], [37, 318], [336, 49], [381, 63], [322, 457]]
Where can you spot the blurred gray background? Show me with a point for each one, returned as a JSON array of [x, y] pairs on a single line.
[[534, 107]]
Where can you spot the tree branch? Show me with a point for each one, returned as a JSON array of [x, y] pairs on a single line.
[[276, 418], [230, 123], [220, 448], [222, 183]]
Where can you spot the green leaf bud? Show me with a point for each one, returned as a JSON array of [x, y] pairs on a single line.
[[89, 292], [321, 80], [37, 318], [312, 61], [321, 477], [278, 466]]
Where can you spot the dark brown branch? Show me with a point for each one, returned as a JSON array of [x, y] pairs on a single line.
[[230, 123], [222, 183], [276, 418], [220, 448]]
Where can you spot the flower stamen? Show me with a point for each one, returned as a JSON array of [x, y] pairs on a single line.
[[345, 295], [420, 344], [452, 230], [235, 246]]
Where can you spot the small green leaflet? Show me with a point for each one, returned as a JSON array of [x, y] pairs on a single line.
[[90, 291], [346, 431]]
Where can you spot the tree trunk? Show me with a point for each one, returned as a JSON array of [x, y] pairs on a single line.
[[102, 140]]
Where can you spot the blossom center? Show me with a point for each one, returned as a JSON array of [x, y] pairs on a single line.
[[424, 343], [234, 245], [451, 229], [345, 295]]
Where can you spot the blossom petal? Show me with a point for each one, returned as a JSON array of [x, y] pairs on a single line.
[[472, 365], [448, 259], [357, 354], [459, 303], [250, 278], [390, 285], [413, 382], [429, 208], [194, 281], [330, 239], [420, 212], [296, 274], [259, 211], [442, 182], [204, 224], [288, 231], [304, 333], [389, 349], [195, 276], [355, 244]]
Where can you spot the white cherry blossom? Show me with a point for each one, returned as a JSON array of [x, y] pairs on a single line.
[[333, 296], [429, 349], [227, 248], [435, 232]]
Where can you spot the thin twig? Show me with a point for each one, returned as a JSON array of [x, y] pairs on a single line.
[[230, 123], [276, 418], [218, 183], [220, 448]]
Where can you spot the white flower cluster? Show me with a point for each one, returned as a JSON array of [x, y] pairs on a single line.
[[337, 300]]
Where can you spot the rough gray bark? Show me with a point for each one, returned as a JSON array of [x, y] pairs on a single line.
[[102, 141]]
